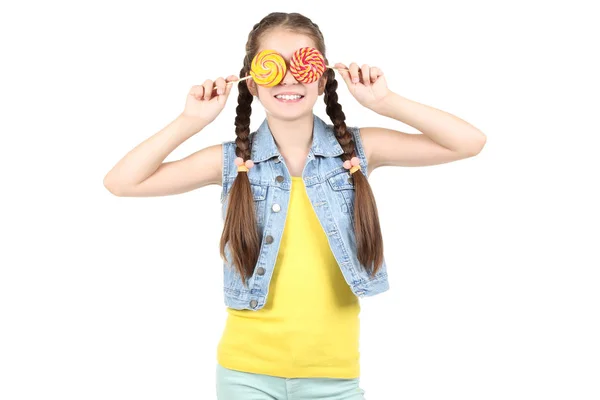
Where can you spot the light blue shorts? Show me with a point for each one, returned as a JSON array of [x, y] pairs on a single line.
[[237, 385]]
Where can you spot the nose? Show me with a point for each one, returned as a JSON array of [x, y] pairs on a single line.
[[288, 78]]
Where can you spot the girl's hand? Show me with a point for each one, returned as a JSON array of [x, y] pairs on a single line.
[[205, 103], [367, 85]]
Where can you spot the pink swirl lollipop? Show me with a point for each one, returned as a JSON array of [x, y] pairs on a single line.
[[307, 64]]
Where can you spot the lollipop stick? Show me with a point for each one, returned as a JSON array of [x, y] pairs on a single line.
[[239, 80], [344, 69]]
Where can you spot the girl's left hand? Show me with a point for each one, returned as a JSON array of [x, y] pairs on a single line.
[[367, 85]]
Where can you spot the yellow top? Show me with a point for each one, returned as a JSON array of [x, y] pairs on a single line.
[[309, 326]]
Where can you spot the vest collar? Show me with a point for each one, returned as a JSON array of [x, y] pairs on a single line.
[[324, 142]]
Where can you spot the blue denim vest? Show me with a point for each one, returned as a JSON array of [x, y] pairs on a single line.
[[331, 192]]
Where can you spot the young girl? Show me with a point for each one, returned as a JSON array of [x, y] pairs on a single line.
[[301, 239]]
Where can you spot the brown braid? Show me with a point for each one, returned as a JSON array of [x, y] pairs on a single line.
[[240, 232], [367, 230]]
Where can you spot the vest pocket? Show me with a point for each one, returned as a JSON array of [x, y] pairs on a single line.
[[343, 191], [341, 181], [259, 194]]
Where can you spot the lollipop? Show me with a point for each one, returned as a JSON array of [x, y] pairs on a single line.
[[268, 68], [307, 64]]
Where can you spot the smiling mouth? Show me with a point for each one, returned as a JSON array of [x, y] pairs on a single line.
[[289, 98]]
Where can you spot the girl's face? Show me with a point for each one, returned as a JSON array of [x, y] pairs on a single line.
[[286, 43]]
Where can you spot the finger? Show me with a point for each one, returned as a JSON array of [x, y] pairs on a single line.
[[208, 89], [341, 69], [227, 81], [365, 75], [220, 85], [354, 72], [231, 79], [197, 91], [375, 74]]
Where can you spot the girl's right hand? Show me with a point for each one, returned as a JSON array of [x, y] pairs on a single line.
[[204, 103]]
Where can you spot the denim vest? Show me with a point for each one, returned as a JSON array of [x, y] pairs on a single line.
[[330, 189]]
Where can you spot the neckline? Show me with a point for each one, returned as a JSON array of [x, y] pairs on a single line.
[[296, 178]]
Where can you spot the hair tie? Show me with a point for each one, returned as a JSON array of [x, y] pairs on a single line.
[[353, 164], [243, 166]]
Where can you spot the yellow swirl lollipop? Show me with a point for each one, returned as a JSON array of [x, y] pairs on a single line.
[[268, 68]]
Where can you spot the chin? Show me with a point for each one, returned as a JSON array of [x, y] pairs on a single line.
[[290, 112], [291, 115]]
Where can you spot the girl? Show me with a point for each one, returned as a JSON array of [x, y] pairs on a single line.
[[301, 239]]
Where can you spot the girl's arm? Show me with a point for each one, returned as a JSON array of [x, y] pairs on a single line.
[[444, 138], [142, 172]]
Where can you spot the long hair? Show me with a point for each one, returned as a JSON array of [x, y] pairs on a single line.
[[240, 231]]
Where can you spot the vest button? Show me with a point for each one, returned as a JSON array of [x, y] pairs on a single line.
[[260, 271], [276, 207], [269, 239], [253, 303], [279, 178]]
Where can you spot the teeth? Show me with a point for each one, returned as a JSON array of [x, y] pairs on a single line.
[[288, 97]]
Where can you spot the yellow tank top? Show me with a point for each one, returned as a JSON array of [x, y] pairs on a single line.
[[309, 326]]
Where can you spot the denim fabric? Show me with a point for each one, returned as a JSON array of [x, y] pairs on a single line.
[[331, 191], [238, 385]]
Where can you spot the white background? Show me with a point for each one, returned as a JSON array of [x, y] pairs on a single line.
[[493, 260]]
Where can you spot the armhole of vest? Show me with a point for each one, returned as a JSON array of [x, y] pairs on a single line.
[[224, 177], [360, 150]]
